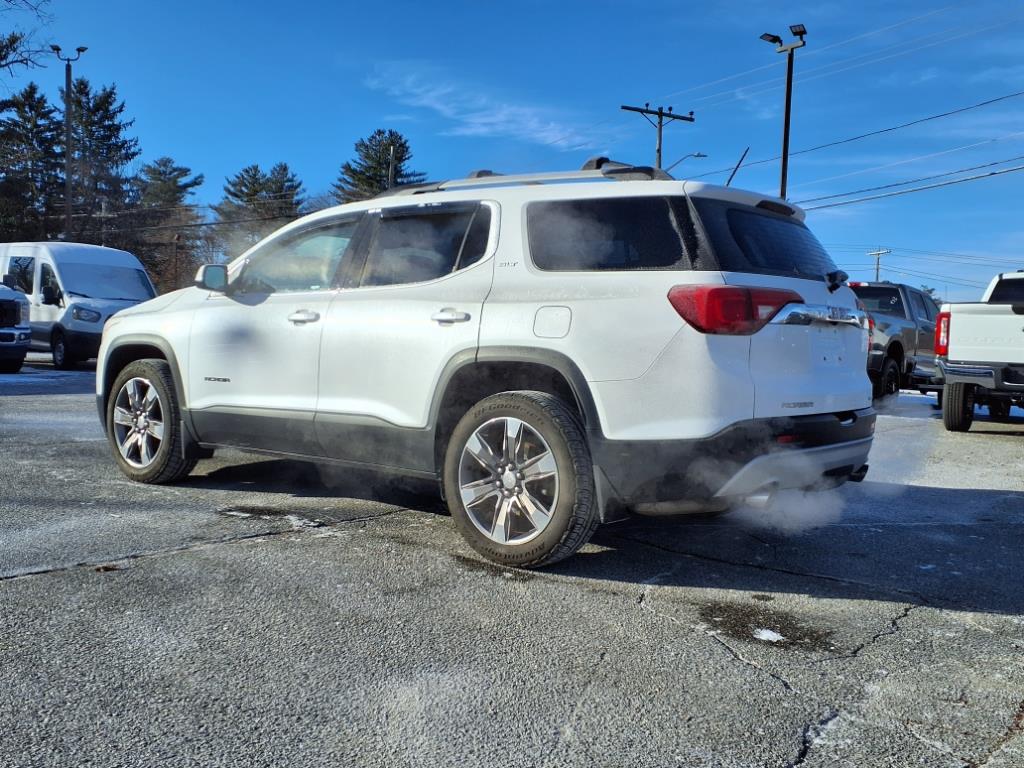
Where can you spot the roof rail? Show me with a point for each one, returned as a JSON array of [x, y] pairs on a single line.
[[595, 169]]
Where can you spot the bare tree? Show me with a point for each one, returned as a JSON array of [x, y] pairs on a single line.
[[18, 48]]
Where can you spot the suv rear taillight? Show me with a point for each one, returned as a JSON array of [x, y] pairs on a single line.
[[942, 334], [729, 309]]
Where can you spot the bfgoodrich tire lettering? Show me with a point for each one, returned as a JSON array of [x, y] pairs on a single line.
[[573, 511], [165, 464]]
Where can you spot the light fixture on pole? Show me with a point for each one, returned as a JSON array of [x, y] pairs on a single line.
[[799, 30], [697, 155], [67, 132]]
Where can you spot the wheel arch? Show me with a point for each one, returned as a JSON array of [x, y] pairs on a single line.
[[128, 349], [470, 377]]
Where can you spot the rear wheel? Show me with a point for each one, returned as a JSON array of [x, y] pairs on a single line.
[[888, 382], [958, 407], [999, 410], [519, 479], [62, 358], [144, 424]]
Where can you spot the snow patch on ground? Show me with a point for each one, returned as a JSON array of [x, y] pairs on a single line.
[[768, 635]]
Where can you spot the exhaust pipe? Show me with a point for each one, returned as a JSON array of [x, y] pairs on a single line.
[[762, 497]]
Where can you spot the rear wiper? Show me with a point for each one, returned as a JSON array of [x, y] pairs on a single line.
[[835, 280]]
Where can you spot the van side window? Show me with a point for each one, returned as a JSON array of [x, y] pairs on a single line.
[[48, 278], [23, 269]]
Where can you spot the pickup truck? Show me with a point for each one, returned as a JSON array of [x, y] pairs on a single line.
[[902, 354], [980, 350]]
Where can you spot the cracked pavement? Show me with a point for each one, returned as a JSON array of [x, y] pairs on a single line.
[[267, 612]]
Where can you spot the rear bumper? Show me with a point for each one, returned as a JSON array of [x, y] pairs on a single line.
[[999, 377], [796, 452]]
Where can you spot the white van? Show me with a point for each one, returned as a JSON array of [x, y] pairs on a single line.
[[72, 288]]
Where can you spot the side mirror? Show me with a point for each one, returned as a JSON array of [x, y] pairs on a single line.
[[10, 282], [212, 277], [50, 295]]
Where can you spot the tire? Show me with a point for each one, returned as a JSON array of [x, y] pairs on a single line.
[[958, 407], [11, 366], [888, 381], [999, 410], [62, 359], [534, 521], [158, 456]]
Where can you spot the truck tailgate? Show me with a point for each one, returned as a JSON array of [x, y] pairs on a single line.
[[986, 333]]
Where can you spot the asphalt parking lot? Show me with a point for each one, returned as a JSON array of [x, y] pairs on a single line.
[[270, 613]]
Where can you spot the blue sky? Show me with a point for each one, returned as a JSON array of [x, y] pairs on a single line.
[[526, 85]]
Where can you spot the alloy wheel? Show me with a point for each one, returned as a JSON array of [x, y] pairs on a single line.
[[508, 480], [138, 422]]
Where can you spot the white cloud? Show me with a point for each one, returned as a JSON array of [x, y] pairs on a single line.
[[474, 113]]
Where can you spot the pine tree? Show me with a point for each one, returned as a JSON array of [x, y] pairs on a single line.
[[31, 163], [255, 204], [162, 184], [101, 156], [367, 175]]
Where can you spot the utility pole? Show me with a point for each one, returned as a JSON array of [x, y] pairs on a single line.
[[67, 133], [877, 255], [799, 30], [662, 115], [391, 166]]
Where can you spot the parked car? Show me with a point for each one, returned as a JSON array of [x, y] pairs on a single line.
[[14, 329], [555, 349], [73, 288], [903, 335], [980, 348]]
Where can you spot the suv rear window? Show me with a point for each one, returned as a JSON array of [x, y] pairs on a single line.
[[618, 234], [881, 300], [748, 239], [1008, 292]]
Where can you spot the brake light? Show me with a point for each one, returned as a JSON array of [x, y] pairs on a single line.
[[729, 309], [942, 334]]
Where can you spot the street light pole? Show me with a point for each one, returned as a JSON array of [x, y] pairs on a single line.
[[799, 30], [67, 133]]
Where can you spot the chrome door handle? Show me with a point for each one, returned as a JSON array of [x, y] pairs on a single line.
[[303, 316], [449, 315]]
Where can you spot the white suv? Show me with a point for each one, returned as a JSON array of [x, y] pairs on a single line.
[[556, 349]]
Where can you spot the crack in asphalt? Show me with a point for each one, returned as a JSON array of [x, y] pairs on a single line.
[[893, 628], [812, 733], [937, 746], [109, 564], [787, 571], [645, 604], [1014, 730]]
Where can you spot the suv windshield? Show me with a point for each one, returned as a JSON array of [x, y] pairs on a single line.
[[879, 299], [748, 239], [98, 281], [1008, 292]]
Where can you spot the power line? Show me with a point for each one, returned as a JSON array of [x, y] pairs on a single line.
[[860, 246], [869, 134], [911, 181], [918, 189]]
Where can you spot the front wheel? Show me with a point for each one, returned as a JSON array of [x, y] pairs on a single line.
[[62, 359], [519, 479], [958, 407], [144, 424]]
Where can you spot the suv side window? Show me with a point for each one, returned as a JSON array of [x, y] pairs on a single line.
[[305, 261], [625, 233], [23, 269], [414, 245]]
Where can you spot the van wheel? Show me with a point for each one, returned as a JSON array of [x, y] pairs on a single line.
[[999, 410], [144, 424], [519, 480], [62, 359], [958, 407], [888, 381]]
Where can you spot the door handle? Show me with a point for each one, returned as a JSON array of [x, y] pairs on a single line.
[[448, 315], [303, 316]]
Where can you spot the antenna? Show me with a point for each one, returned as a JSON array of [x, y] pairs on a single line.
[[742, 158]]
